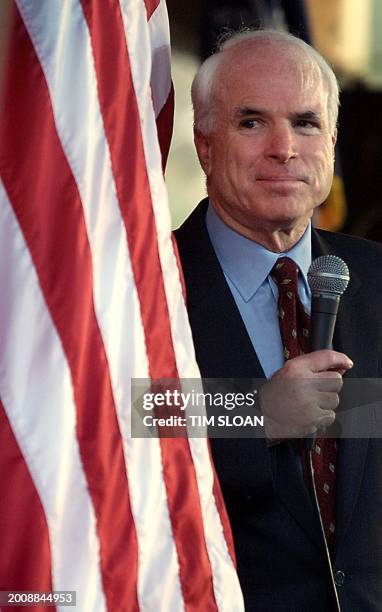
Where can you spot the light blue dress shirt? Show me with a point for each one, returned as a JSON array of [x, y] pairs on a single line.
[[246, 266]]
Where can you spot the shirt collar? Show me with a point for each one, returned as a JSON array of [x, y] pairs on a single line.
[[246, 263]]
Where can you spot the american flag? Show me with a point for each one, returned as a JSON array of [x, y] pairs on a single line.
[[91, 297]]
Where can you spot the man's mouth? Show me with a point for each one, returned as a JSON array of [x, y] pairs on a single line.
[[284, 178]]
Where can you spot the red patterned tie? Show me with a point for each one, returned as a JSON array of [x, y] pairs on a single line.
[[294, 328]]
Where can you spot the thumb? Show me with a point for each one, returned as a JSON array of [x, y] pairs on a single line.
[[328, 360]]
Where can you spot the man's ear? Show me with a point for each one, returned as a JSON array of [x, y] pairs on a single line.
[[203, 149]]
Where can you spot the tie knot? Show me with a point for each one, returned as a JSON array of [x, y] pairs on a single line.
[[285, 274]]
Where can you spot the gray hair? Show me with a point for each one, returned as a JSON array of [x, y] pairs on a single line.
[[204, 80]]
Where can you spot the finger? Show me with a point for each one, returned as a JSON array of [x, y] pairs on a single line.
[[308, 416], [339, 370], [309, 431], [325, 360], [327, 420], [329, 381], [315, 416], [328, 401]]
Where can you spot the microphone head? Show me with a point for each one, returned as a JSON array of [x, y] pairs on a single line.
[[329, 275]]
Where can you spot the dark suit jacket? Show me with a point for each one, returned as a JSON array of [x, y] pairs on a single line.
[[281, 560]]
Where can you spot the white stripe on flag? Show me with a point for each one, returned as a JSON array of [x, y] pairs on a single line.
[[159, 32], [158, 570]]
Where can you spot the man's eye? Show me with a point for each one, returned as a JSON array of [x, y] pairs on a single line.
[[249, 123], [306, 123]]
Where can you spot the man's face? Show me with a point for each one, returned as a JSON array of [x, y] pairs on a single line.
[[269, 159]]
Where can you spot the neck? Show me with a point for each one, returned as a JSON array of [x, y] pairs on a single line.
[[276, 238]]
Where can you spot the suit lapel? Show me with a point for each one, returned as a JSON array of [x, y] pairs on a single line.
[[350, 339], [223, 346]]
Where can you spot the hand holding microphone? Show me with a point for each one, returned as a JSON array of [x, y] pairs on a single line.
[[302, 396]]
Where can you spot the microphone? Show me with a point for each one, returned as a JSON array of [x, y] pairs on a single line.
[[328, 278]]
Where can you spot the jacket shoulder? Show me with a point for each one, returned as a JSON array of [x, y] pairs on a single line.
[[348, 241]]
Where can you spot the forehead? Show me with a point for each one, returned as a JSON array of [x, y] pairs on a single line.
[[273, 77]]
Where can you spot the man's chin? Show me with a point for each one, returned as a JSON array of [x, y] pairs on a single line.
[[289, 217]]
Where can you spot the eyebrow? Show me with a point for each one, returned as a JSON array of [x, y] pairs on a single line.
[[308, 115], [248, 111], [245, 111]]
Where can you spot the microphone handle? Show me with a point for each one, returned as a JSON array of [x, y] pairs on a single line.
[[323, 320]]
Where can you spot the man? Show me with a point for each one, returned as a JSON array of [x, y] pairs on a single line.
[[265, 128]]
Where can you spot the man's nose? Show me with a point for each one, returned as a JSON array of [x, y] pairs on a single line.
[[281, 144]]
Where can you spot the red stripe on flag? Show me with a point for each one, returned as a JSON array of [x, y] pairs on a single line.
[[122, 125], [23, 524], [181, 275], [164, 126], [151, 5], [46, 202]]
